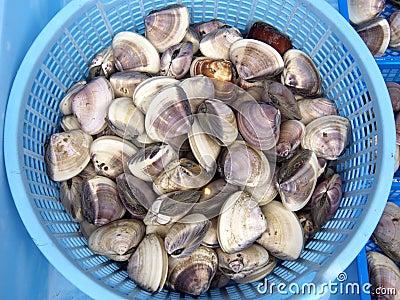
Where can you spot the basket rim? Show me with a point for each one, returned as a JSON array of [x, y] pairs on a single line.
[[88, 284]]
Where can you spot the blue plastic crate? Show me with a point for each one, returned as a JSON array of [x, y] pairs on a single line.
[[350, 80]]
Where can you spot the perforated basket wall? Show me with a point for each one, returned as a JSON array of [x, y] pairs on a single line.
[[59, 57]]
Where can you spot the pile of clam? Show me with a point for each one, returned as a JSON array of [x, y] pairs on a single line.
[[198, 154], [377, 32]]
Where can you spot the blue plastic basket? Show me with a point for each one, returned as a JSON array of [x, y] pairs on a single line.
[[59, 57]]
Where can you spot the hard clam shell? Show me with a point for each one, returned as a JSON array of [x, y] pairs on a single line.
[[70, 197], [193, 37], [176, 60], [327, 136], [259, 273], [193, 274], [300, 74], [167, 27], [394, 93], [241, 264], [254, 59], [65, 104], [110, 154], [148, 265], [197, 89], [102, 64], [211, 238], [240, 223], [361, 10], [394, 23], [387, 233], [206, 27], [297, 179], [117, 240], [291, 133], [67, 154], [90, 105], [283, 237], [124, 83], [148, 89], [376, 35], [314, 108], [186, 235], [266, 192], [220, 69], [134, 52], [169, 114], [100, 201], [69, 123]]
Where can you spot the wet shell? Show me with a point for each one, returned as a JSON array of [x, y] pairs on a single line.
[[254, 59], [361, 10], [376, 35], [124, 83], [259, 273], [135, 194], [167, 27], [67, 154], [220, 69], [383, 274], [283, 237], [117, 240], [102, 64], [240, 223], [125, 119], [291, 133], [69, 123], [394, 93], [70, 197], [90, 105], [243, 165], [259, 124], [282, 98], [169, 114], [394, 23], [181, 174], [387, 233], [193, 274], [218, 120], [148, 265], [185, 236], [194, 37], [176, 60], [217, 43], [204, 148], [297, 179], [325, 200], [240, 264], [134, 52], [197, 89], [314, 108], [151, 160], [110, 154], [65, 104], [271, 35], [327, 136], [100, 201], [148, 89], [300, 74], [171, 207]]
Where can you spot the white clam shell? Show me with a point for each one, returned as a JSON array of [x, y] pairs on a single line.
[[217, 43]]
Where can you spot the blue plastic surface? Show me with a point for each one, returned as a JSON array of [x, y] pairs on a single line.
[[47, 275]]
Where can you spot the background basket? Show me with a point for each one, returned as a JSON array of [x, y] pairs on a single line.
[[59, 57]]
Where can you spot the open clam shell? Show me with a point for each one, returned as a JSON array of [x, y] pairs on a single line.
[[67, 154], [135, 194], [186, 235], [300, 74], [254, 59], [70, 197], [327, 136], [314, 108], [241, 264], [148, 265], [193, 274], [169, 114], [176, 60], [110, 154], [387, 233], [376, 35], [90, 104], [134, 52], [117, 240], [361, 11], [217, 43], [100, 201], [102, 64], [283, 237], [125, 119], [148, 89], [240, 223], [297, 179], [167, 27]]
